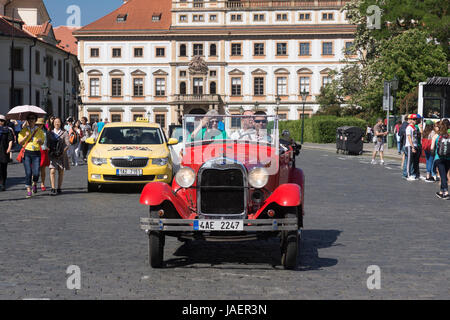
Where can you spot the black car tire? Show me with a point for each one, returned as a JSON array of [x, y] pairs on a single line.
[[290, 243], [156, 241], [92, 187]]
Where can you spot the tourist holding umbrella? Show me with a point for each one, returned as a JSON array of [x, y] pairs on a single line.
[[31, 138]]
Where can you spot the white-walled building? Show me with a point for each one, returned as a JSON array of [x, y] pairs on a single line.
[[166, 58], [44, 74]]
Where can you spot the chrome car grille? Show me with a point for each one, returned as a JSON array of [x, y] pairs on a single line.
[[129, 162]]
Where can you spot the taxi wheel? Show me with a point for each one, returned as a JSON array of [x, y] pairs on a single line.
[[92, 187], [289, 247]]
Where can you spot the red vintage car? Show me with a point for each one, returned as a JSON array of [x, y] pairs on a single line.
[[237, 181]]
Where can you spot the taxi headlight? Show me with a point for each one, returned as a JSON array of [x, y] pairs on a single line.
[[99, 161], [185, 177], [160, 161], [258, 178]]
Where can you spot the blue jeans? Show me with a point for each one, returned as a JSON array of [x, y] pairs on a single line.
[[399, 144], [443, 166], [431, 168], [32, 163], [408, 164]]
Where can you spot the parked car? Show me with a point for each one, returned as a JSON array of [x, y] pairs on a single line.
[[236, 183], [134, 152]]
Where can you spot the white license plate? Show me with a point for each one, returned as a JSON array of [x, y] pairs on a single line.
[[129, 172], [218, 225]]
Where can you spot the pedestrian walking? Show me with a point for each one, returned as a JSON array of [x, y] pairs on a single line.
[[31, 138], [417, 121], [45, 160], [411, 151], [402, 136], [86, 133], [441, 146], [75, 135], [6, 144], [428, 135], [397, 136], [58, 143], [369, 134], [100, 126], [380, 133]]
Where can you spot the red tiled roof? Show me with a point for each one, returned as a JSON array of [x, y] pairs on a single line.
[[68, 41], [6, 28], [138, 17]]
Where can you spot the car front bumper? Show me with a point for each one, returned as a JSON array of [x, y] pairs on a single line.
[[106, 174]]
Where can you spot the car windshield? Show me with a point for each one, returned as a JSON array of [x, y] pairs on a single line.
[[256, 128], [131, 135], [177, 133]]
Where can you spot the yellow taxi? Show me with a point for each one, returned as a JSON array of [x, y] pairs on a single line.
[[135, 152]]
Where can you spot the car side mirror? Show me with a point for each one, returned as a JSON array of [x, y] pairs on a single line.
[[172, 141], [90, 141]]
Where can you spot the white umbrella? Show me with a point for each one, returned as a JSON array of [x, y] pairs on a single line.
[[22, 112]]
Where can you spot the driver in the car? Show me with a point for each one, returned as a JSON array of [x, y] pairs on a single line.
[[247, 132], [261, 127]]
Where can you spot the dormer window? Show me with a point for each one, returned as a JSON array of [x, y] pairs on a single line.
[[156, 17], [122, 17]]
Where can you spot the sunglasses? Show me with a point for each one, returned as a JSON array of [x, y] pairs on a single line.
[[214, 121], [260, 121]]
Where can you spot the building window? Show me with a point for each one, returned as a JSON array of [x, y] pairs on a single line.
[[121, 17], [282, 116], [258, 86], [258, 49], [16, 59], [235, 49], [183, 73], [49, 66], [116, 52], [182, 50], [213, 50], [94, 84], [281, 49], [327, 16], [160, 52], [93, 117], [282, 17], [116, 117], [282, 86], [327, 48], [156, 17], [326, 80], [17, 98], [183, 18], [236, 86], [37, 61], [198, 49], [304, 84], [213, 73], [198, 85], [161, 120], [304, 16], [259, 17], [116, 87], [138, 87], [236, 17], [138, 52], [212, 17], [182, 87], [236, 122], [160, 87], [349, 48], [137, 115], [59, 70], [95, 52], [212, 87], [38, 98], [67, 73], [304, 49], [198, 18]]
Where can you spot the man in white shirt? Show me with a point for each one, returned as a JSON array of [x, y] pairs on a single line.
[[411, 150], [247, 132]]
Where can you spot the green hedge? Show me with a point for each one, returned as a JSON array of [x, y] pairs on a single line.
[[319, 129]]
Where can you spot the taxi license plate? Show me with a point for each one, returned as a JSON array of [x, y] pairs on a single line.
[[219, 225], [129, 172]]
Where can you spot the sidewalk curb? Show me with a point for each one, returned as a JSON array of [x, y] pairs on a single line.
[[365, 152]]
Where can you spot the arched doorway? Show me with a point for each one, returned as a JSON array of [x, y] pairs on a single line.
[[197, 111]]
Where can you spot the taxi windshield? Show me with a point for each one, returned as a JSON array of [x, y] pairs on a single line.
[[131, 135], [258, 128]]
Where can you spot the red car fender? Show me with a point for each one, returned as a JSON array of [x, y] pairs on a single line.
[[297, 176], [155, 193], [286, 195]]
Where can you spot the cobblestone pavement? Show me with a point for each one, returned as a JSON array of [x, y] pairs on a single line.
[[357, 215]]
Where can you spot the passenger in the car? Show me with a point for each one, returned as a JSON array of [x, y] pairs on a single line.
[[208, 129]]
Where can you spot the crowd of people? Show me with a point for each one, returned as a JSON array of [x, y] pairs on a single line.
[[45, 143], [414, 138]]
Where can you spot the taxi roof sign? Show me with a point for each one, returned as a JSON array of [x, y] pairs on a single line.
[[142, 119]]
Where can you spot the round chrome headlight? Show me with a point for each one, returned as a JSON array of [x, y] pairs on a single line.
[[258, 177], [185, 177]]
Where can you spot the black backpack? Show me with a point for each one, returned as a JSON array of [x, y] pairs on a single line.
[[402, 133], [443, 146], [55, 145]]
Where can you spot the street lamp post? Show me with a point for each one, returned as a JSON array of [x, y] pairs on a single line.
[[45, 92], [256, 106], [278, 99], [304, 95]]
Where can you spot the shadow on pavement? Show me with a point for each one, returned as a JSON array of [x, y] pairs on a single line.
[[256, 252]]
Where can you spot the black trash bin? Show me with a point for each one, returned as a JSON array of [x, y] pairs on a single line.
[[350, 140]]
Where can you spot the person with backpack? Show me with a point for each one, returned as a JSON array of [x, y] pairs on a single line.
[[441, 146], [75, 135], [58, 143]]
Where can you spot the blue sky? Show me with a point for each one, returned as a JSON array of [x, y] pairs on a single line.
[[90, 10]]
